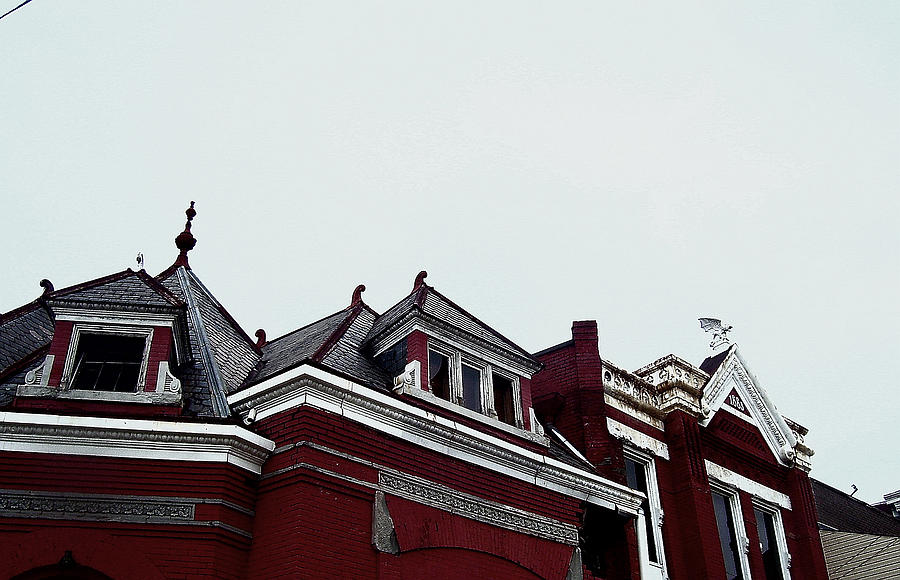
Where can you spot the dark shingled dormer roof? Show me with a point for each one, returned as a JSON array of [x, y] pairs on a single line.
[[711, 364], [25, 335], [127, 289], [429, 304], [838, 511], [334, 342]]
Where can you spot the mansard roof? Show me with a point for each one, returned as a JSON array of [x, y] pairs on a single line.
[[25, 335], [335, 342], [429, 305]]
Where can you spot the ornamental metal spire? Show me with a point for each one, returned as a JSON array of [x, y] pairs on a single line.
[[185, 241]]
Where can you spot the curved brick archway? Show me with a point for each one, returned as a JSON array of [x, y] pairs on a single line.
[[97, 555]]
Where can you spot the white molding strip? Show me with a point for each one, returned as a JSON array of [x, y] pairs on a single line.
[[310, 386], [640, 440], [736, 480], [133, 438]]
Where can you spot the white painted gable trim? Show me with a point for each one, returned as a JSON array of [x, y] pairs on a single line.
[[307, 385], [733, 373], [133, 438]]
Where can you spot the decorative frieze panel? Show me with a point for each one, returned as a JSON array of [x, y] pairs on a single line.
[[622, 382], [478, 509], [94, 507], [672, 368]]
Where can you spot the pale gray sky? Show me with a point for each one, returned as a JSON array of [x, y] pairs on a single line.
[[641, 164]]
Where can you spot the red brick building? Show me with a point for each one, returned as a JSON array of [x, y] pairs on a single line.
[[144, 434]]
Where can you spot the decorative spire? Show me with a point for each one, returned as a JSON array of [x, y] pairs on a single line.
[[357, 295], [185, 241], [260, 338], [47, 285], [420, 279]]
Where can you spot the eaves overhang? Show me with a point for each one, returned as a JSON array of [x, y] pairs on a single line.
[[309, 386]]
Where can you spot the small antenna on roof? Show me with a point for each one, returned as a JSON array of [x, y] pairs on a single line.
[[140, 260], [718, 330]]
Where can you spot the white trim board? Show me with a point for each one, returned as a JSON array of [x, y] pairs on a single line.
[[310, 386], [133, 439], [736, 480]]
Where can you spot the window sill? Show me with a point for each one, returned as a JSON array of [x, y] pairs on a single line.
[[145, 397], [423, 395]]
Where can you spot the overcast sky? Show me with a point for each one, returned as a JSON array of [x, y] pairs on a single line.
[[639, 164]]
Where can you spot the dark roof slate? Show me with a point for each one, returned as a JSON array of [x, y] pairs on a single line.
[[23, 331], [221, 354], [127, 288], [334, 342], [838, 511], [434, 304], [711, 363]]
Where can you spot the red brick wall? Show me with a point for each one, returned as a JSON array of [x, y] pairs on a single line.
[[59, 346]]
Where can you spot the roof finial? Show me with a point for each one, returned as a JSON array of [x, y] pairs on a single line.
[[420, 279], [260, 338], [185, 241], [357, 295], [47, 285]]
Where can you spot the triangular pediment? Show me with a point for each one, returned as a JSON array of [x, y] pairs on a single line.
[[733, 388]]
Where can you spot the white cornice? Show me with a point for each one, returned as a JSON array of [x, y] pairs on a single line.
[[133, 438], [313, 387]]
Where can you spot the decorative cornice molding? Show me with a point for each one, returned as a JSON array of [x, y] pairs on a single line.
[[637, 439], [476, 508], [310, 386], [133, 438]]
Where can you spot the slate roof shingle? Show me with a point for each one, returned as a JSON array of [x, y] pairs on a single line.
[[838, 511]]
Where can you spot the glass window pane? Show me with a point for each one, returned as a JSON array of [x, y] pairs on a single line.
[[503, 399], [471, 379], [108, 362], [768, 544], [439, 375], [636, 477], [727, 537]]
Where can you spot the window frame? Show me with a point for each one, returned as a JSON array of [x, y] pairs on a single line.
[[733, 503], [81, 329], [487, 407], [784, 556], [656, 515]]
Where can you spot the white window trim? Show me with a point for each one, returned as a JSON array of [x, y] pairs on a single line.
[[487, 370], [740, 529], [656, 514], [111, 330], [780, 537]]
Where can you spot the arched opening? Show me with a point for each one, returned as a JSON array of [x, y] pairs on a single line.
[[66, 569]]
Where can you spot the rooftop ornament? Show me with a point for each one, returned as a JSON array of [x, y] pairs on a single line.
[[718, 330], [260, 338], [420, 280], [47, 285], [357, 295], [185, 241]]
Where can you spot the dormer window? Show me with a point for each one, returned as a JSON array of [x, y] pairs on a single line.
[[107, 358], [474, 385], [108, 362]]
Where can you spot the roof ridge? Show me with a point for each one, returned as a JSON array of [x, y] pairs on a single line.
[[224, 312], [337, 334], [19, 311], [89, 284], [154, 284]]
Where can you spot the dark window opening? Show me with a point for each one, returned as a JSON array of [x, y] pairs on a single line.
[[503, 399], [471, 382], [439, 375], [727, 536], [636, 477], [604, 547], [768, 544], [108, 362]]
